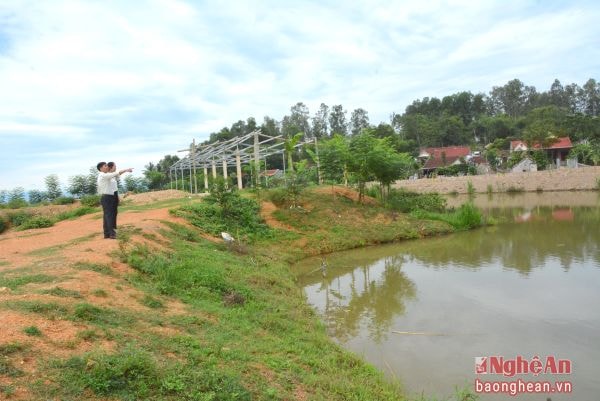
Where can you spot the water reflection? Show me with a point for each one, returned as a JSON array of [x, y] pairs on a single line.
[[527, 286], [370, 293], [546, 233]]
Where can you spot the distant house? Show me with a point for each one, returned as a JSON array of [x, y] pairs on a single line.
[[524, 165], [276, 173], [442, 157], [557, 151]]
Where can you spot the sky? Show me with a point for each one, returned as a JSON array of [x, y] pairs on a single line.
[[132, 81]]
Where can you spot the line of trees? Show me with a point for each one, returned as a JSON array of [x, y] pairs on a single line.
[[511, 111]]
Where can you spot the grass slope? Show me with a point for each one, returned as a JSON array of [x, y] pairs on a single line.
[[246, 332]]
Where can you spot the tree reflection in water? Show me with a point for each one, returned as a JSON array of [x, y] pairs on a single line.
[[368, 296]]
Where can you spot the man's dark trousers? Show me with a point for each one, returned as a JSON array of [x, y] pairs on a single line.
[[109, 211]]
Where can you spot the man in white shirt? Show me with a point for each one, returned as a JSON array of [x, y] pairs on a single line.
[[114, 186], [108, 199]]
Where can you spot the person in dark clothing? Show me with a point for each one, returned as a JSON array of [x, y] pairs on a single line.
[[114, 184], [108, 198]]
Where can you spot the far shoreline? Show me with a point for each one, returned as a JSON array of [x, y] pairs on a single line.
[[562, 179]]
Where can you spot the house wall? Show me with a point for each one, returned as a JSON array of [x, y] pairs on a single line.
[[562, 179]]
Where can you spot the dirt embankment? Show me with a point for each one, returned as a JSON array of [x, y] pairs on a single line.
[[564, 179], [69, 264]]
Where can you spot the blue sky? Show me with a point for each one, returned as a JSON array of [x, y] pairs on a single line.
[[84, 81]]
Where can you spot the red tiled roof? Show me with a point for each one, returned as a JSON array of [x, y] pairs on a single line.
[[562, 143], [435, 163], [452, 153], [270, 173]]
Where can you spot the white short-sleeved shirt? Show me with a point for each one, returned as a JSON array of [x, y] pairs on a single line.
[[104, 183]]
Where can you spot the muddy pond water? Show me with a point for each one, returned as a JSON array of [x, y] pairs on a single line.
[[422, 311]]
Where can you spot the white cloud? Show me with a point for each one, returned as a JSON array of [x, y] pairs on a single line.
[[150, 76]]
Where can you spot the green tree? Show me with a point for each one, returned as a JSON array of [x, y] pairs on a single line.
[[270, 127], [300, 118], [540, 158], [78, 185], [36, 196], [515, 158], [155, 179], [320, 121], [544, 125], [53, 190], [135, 184], [387, 165], [334, 155], [591, 97], [337, 120], [16, 198], [359, 161], [359, 120], [4, 196], [513, 99], [491, 155], [92, 181], [586, 153], [289, 146]]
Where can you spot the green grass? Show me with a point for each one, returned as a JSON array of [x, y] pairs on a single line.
[[75, 213], [88, 335], [36, 222], [470, 188], [50, 310], [85, 312], [48, 251], [466, 217], [100, 293], [514, 190], [61, 292], [152, 302], [156, 205], [247, 332], [7, 367], [15, 282], [95, 267], [32, 331], [11, 348], [7, 389]]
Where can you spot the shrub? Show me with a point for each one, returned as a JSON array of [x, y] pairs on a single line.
[[3, 224], [90, 200], [63, 200], [37, 222], [32, 331], [17, 203], [470, 188], [373, 191], [18, 218], [225, 210], [278, 196], [80, 211], [406, 202], [465, 217], [514, 190]]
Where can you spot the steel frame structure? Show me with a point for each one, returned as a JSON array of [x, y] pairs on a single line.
[[252, 147]]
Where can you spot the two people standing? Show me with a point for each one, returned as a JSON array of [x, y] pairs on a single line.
[[109, 196]]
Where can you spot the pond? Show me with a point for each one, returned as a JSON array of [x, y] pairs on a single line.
[[423, 310]]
